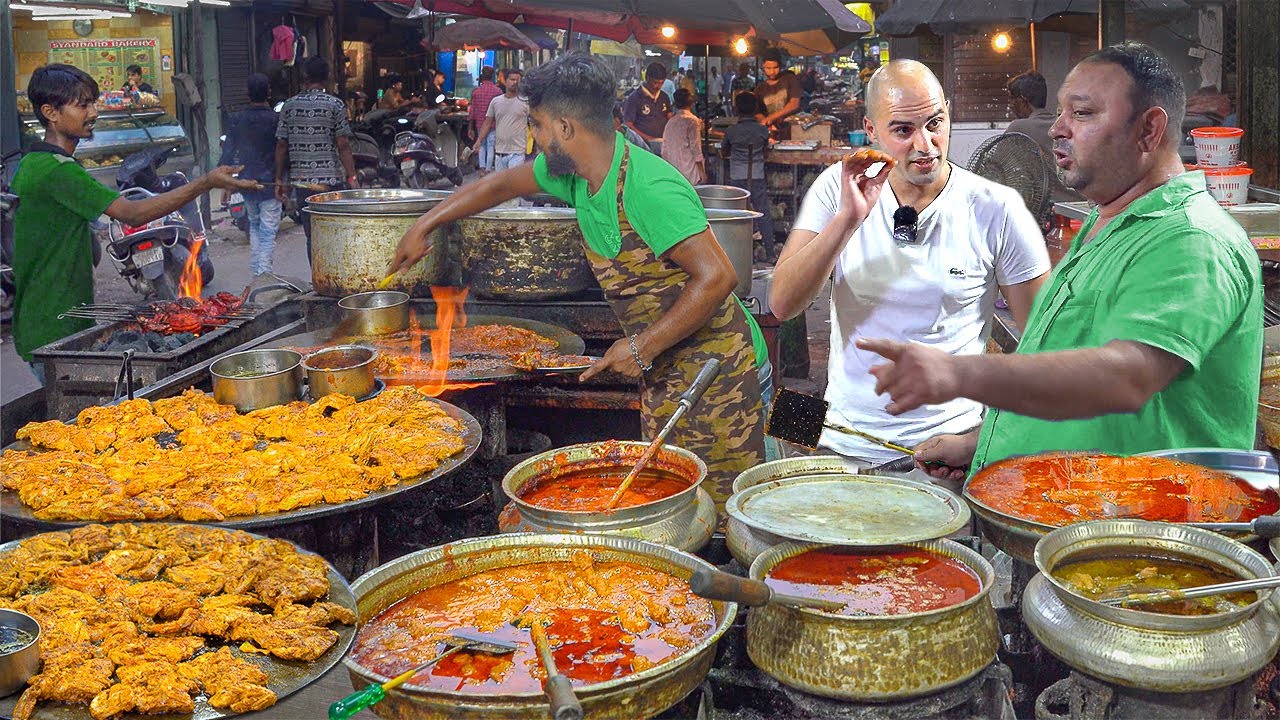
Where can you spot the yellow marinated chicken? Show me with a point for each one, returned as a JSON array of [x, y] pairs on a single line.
[[230, 682], [150, 688], [110, 466], [122, 644]]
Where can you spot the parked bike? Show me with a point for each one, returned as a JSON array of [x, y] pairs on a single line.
[[152, 257], [417, 157]]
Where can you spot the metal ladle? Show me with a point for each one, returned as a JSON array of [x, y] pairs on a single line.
[[1195, 592]]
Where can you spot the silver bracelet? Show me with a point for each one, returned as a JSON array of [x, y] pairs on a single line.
[[636, 354]]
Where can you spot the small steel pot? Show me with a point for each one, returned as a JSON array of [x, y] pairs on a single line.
[[256, 379], [375, 313], [345, 369], [18, 666], [723, 197], [733, 230]]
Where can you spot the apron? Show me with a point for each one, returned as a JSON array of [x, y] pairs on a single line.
[[725, 429]]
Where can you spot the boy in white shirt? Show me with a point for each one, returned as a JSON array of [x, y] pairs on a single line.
[[931, 279]]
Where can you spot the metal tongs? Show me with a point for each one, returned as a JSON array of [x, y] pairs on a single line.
[[125, 377], [1195, 592]]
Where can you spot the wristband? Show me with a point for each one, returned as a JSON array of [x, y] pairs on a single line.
[[636, 354]]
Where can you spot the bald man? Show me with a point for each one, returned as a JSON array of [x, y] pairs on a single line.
[[916, 253]]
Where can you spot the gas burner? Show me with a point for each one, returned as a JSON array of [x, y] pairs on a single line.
[[1080, 697]]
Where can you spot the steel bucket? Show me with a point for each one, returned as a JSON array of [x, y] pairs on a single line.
[[256, 379], [733, 230], [724, 197]]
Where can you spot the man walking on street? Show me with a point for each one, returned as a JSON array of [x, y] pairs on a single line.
[[313, 143], [251, 142], [477, 111], [647, 108], [507, 120]]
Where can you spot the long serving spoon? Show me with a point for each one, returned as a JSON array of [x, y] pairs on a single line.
[[1195, 592], [687, 401]]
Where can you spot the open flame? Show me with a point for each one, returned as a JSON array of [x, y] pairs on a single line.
[[192, 280], [449, 314]]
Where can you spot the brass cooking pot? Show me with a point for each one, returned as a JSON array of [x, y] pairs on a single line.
[[639, 695], [875, 657]]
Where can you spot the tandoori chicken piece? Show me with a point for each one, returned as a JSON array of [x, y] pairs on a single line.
[[75, 674], [230, 682], [148, 687]]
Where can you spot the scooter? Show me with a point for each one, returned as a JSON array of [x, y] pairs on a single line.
[[417, 157], [371, 146], [152, 257]]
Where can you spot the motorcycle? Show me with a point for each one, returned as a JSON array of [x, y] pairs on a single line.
[[8, 206], [238, 212], [371, 147], [417, 157], [152, 257]]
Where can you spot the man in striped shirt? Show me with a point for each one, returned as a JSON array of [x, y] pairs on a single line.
[[484, 94]]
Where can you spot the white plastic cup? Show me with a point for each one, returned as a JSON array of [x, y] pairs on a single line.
[[1229, 186], [1217, 146]]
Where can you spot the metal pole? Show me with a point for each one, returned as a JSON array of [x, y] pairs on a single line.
[[568, 37], [1110, 23], [1033, 47]]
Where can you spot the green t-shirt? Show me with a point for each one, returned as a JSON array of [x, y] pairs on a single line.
[[52, 246], [660, 204], [1173, 271]]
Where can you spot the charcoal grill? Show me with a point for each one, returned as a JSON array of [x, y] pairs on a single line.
[[77, 376]]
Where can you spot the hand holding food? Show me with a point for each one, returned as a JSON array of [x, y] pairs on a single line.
[[859, 192]]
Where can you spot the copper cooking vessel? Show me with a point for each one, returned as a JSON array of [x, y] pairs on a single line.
[[639, 695], [875, 658]]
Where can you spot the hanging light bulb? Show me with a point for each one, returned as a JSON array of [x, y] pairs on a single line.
[[740, 46], [1001, 42], [668, 31]]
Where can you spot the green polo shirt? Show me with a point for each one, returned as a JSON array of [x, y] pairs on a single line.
[[660, 204], [1173, 271], [52, 245]]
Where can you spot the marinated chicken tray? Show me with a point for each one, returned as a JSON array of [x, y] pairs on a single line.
[[190, 458], [1062, 488], [144, 618], [605, 620], [877, 582]]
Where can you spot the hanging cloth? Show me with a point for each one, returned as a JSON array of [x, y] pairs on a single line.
[[282, 43]]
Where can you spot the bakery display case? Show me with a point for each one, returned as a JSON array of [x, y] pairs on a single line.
[[118, 134]]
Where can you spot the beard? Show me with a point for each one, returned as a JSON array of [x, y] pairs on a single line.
[[558, 161]]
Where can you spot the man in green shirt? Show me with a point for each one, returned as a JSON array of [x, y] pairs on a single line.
[[655, 256], [1149, 333], [53, 251]]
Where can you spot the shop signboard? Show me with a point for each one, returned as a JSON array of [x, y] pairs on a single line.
[[106, 59]]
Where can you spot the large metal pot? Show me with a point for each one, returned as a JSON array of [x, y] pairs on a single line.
[[1151, 651], [874, 658], [354, 234], [684, 520], [639, 695], [746, 543], [525, 254], [380, 312], [734, 230], [256, 379], [724, 197], [345, 369]]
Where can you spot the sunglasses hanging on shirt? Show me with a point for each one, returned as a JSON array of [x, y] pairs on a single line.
[[904, 225]]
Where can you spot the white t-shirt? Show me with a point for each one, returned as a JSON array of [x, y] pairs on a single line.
[[975, 236]]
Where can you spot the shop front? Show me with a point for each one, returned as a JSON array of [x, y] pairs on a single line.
[[131, 119]]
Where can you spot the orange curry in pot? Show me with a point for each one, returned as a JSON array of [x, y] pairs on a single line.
[[894, 581], [606, 620], [1063, 488]]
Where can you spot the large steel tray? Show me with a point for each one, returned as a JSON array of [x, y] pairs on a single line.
[[567, 344], [286, 676], [12, 509]]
